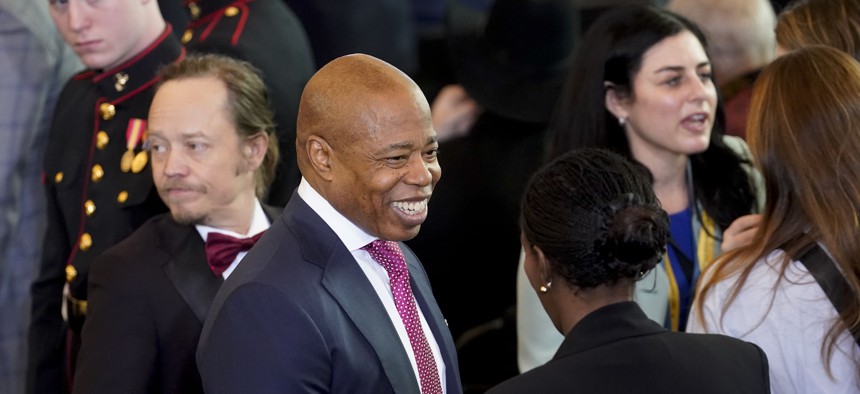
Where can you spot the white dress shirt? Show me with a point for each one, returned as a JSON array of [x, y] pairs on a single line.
[[789, 321]]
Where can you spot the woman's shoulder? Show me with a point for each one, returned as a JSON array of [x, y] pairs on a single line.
[[738, 146], [742, 292]]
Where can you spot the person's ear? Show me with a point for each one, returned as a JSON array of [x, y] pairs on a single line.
[[544, 268], [615, 102], [320, 155], [255, 149]]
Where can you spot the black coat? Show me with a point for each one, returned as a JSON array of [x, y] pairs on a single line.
[[268, 35], [149, 296], [91, 202], [617, 349]]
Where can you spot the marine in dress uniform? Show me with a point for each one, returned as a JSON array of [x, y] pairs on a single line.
[[99, 190], [269, 36]]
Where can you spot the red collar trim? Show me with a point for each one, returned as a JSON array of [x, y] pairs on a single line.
[[105, 74]]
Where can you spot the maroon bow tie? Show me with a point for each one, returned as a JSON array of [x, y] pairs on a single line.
[[222, 249]]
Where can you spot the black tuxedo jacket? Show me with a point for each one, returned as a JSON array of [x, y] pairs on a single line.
[[149, 296], [299, 316], [617, 349]]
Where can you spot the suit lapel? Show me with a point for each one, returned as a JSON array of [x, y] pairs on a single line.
[[187, 268], [421, 288], [347, 283]]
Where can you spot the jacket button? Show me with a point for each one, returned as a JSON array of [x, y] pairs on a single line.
[[98, 173], [194, 9], [102, 140], [187, 36], [71, 273], [86, 242], [107, 110], [90, 207]]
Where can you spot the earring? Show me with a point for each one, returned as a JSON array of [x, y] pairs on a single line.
[[545, 288], [622, 121]]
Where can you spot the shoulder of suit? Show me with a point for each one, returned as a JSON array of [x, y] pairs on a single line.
[[139, 251], [142, 242], [272, 211]]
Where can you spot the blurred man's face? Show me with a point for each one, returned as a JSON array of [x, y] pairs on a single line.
[[103, 33], [200, 165]]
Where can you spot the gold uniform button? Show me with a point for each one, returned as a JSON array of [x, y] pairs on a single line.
[[194, 9], [107, 110], [119, 81], [90, 207], [122, 197], [102, 140], [86, 242], [58, 177], [98, 173], [231, 11], [71, 273], [187, 36]]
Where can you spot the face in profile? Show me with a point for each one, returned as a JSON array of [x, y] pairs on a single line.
[[202, 168], [385, 177], [103, 33], [674, 100]]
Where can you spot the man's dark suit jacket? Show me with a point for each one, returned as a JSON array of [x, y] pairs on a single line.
[[149, 296], [299, 316], [617, 349]]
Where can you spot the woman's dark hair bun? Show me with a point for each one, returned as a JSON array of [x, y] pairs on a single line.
[[632, 236]]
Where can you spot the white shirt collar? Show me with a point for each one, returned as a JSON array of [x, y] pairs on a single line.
[[352, 236], [259, 223]]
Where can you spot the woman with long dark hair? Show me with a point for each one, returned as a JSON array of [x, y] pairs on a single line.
[[641, 86]]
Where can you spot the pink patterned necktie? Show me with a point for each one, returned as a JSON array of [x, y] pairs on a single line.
[[389, 256]]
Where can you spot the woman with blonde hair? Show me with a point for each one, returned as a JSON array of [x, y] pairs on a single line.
[[804, 131]]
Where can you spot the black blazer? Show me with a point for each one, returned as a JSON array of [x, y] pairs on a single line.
[[617, 349], [149, 296], [299, 316]]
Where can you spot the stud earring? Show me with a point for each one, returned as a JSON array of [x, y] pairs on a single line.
[[622, 121], [545, 288]]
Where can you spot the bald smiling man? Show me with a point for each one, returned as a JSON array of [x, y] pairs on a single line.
[[330, 300]]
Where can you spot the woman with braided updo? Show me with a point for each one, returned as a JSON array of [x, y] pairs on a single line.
[[591, 227]]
